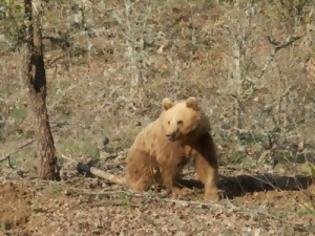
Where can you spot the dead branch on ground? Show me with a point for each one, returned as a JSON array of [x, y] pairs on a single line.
[[84, 168]]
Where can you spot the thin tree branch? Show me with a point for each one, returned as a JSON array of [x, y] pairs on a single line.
[[18, 149], [277, 46]]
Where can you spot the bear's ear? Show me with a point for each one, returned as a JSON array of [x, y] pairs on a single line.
[[192, 103], [167, 103]]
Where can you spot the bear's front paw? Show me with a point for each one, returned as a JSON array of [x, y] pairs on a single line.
[[212, 195]]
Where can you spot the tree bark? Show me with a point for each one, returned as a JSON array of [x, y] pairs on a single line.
[[34, 75]]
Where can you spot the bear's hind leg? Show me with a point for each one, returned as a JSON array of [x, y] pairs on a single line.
[[141, 168]]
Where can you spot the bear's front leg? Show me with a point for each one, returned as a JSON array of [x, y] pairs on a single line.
[[208, 175], [207, 167], [171, 173], [168, 175]]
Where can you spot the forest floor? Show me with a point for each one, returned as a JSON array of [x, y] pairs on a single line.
[[252, 204]]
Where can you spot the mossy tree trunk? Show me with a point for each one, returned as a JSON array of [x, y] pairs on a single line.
[[33, 72]]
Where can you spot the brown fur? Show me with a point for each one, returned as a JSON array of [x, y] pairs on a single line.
[[154, 158]]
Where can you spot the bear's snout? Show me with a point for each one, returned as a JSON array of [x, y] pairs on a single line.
[[172, 136]]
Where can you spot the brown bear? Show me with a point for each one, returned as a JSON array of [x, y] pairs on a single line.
[[162, 148]]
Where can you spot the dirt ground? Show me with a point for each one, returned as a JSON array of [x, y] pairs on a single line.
[[78, 205]]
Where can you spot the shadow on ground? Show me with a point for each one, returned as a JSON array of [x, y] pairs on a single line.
[[234, 186]]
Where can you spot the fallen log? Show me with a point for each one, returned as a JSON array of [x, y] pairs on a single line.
[[86, 169]]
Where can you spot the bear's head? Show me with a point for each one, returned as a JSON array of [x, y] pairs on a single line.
[[183, 119]]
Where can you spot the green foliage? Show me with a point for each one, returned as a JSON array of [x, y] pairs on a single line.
[[289, 10], [238, 157], [18, 114], [79, 145], [125, 198], [249, 137], [306, 211], [12, 21], [2, 123], [4, 225]]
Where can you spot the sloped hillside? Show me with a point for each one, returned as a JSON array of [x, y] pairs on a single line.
[[109, 65]]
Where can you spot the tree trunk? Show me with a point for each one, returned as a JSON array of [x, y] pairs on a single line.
[[35, 78]]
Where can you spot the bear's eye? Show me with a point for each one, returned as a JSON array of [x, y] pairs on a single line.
[[169, 122], [179, 122]]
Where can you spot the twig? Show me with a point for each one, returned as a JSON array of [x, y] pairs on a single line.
[[7, 158], [88, 192], [4, 158], [231, 205], [69, 159], [162, 197], [10, 163], [277, 46], [54, 60], [114, 165], [188, 173], [18, 149], [266, 181], [286, 43], [251, 212]]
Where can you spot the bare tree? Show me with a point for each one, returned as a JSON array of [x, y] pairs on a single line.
[[33, 72]]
